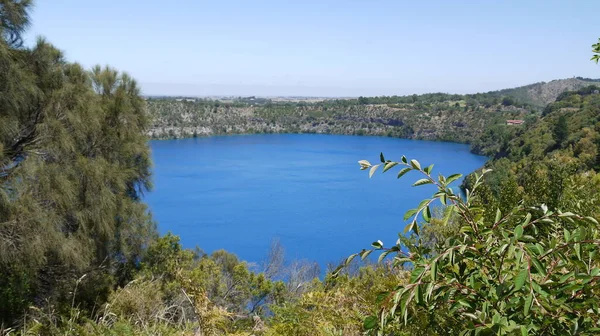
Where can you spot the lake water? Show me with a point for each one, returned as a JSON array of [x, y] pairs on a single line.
[[238, 193]]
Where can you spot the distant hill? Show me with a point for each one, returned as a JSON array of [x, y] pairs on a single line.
[[543, 93], [548, 152], [479, 119]]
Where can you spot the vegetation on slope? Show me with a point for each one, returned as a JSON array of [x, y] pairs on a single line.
[[74, 161], [548, 161], [543, 93], [507, 259], [80, 255], [478, 119], [428, 118], [528, 270]]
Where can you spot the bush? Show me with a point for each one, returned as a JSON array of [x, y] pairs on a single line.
[[530, 270]]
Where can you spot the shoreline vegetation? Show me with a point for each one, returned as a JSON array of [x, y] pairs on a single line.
[[80, 253], [439, 117]]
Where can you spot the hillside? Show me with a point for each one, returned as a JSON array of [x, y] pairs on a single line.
[[543, 93], [437, 116], [440, 121], [548, 160], [447, 120]]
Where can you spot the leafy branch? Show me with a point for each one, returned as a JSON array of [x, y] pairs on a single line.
[[531, 270]]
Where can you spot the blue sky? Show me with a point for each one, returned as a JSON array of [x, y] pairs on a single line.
[[326, 47]]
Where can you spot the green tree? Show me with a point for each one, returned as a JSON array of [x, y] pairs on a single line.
[[74, 162], [561, 131], [508, 101]]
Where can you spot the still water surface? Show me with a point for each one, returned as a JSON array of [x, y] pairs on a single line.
[[240, 192]]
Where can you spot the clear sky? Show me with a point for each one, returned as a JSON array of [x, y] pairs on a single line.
[[326, 47]]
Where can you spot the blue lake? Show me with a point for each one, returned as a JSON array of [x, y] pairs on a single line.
[[238, 193]]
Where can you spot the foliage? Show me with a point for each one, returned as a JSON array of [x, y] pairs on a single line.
[[80, 255], [74, 162], [336, 306], [219, 287], [176, 290], [546, 158], [530, 270], [14, 19], [561, 131], [433, 117], [596, 51]]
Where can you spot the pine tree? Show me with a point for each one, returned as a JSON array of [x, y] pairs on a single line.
[[74, 163], [14, 19]]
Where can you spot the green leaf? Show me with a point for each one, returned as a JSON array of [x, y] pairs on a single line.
[[434, 270], [403, 159], [528, 303], [536, 287], [383, 255], [519, 232], [577, 248], [428, 169], [410, 213], [426, 214], [372, 171], [365, 253], [444, 199], [521, 278], [453, 178], [349, 259], [447, 214], [524, 331], [464, 303], [403, 171], [538, 266], [378, 244], [429, 291], [592, 220], [423, 204], [417, 294], [389, 166], [381, 157], [498, 216], [415, 164], [415, 227], [370, 322], [540, 249], [422, 182], [519, 255], [565, 277], [567, 235], [577, 235], [527, 219]]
